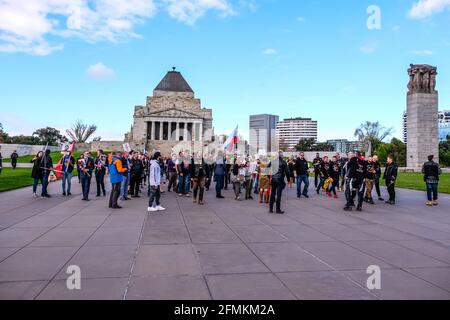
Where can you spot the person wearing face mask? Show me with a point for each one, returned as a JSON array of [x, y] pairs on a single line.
[[67, 166]]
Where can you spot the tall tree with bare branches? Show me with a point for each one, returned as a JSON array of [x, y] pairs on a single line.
[[373, 132], [80, 132]]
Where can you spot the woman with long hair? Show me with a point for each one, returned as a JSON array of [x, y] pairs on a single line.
[[36, 172]]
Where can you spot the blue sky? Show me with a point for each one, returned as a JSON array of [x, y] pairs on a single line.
[[309, 58]]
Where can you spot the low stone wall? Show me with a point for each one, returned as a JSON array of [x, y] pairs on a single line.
[[22, 149]]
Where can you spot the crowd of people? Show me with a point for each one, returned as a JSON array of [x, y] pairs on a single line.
[[190, 175]]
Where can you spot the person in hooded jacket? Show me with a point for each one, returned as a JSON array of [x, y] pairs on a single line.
[[155, 184], [116, 171]]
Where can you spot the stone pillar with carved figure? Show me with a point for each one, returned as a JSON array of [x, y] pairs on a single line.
[[422, 115]]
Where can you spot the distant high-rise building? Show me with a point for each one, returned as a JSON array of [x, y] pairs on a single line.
[[290, 131], [344, 145], [443, 125], [262, 133]]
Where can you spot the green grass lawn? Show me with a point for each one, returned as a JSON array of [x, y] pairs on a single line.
[[415, 181], [21, 177], [14, 179], [56, 156]]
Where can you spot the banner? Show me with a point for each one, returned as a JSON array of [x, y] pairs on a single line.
[[126, 147]]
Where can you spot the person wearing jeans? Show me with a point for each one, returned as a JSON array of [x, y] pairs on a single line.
[[431, 172], [68, 164], [126, 177], [155, 184], [115, 176], [219, 174], [302, 173]]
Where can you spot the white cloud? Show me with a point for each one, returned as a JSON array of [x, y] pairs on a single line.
[[99, 71], [189, 11], [301, 19], [27, 25], [369, 47], [424, 8], [270, 51], [423, 52]]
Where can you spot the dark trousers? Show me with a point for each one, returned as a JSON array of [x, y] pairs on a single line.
[[391, 190], [248, 188], [14, 163], [432, 191], [115, 193], [199, 188], [85, 185], [172, 181], [377, 186], [226, 182], [357, 187], [321, 183], [334, 185], [155, 195], [277, 192], [45, 184], [135, 183], [100, 180], [219, 183], [316, 178]]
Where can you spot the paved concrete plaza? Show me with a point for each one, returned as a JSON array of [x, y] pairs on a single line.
[[223, 250]]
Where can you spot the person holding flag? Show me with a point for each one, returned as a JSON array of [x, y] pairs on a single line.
[[67, 166]]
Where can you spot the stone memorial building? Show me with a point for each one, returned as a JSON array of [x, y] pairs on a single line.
[[172, 119], [422, 115]]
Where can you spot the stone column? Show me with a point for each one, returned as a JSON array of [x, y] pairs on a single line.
[[422, 117], [161, 127], [201, 132], [185, 133], [152, 137], [177, 132]]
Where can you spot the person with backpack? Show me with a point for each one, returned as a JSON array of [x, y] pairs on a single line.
[[431, 172]]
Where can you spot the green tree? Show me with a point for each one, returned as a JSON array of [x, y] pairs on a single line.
[[3, 135], [305, 145], [323, 147], [80, 132], [21, 139], [395, 148], [50, 135], [444, 153]]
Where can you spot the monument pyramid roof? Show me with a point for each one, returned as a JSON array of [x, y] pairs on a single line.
[[174, 82]]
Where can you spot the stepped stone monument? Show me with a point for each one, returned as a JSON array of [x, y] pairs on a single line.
[[422, 115], [172, 119]]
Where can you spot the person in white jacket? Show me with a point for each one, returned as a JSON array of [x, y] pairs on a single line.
[[155, 184]]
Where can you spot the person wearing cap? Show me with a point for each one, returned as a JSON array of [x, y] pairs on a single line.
[[116, 171], [431, 172], [155, 184]]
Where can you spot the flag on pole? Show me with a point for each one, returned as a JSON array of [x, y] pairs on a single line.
[[231, 141], [71, 147]]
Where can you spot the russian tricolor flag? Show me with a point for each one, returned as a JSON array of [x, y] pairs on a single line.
[[231, 141]]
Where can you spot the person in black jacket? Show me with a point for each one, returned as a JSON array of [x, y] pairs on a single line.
[[87, 167], [278, 182], [335, 173], [390, 176], [46, 167], [356, 172], [324, 174], [100, 163], [431, 172], [14, 157], [317, 164], [199, 173], [36, 172], [377, 177], [301, 171], [137, 169]]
